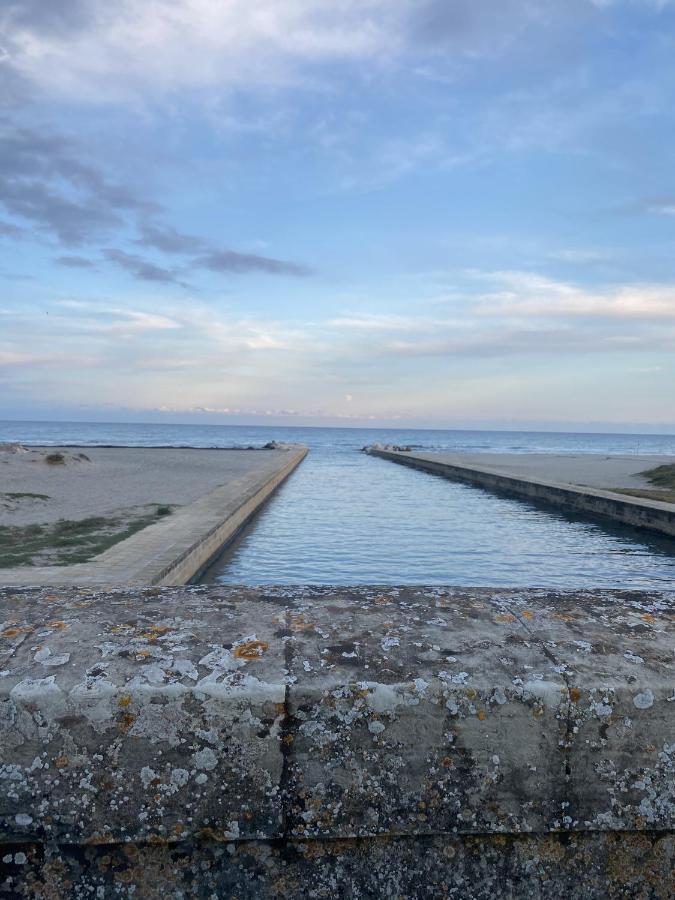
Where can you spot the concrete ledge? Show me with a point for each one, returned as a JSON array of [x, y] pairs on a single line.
[[176, 549], [652, 515], [217, 733], [601, 866]]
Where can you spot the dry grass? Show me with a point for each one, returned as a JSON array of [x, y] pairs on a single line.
[[646, 494]]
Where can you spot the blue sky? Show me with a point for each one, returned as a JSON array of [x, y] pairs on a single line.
[[431, 212]]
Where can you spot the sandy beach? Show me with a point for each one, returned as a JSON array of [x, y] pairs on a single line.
[[65, 505], [583, 469], [102, 481]]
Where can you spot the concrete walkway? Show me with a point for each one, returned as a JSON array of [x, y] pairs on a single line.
[[176, 548], [583, 469]]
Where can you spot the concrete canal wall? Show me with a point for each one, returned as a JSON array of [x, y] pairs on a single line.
[[323, 742], [653, 515], [176, 549]]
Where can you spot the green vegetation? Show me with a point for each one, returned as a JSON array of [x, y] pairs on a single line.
[[646, 494], [23, 495], [663, 477], [66, 542]]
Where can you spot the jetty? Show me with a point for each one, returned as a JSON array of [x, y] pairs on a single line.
[[607, 487]]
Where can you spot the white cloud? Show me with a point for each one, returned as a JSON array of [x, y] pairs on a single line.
[[101, 50], [163, 45], [526, 294]]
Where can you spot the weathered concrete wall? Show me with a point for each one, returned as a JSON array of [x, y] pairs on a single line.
[[176, 549], [650, 514], [316, 741]]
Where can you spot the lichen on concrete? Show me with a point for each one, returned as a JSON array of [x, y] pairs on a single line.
[[212, 717]]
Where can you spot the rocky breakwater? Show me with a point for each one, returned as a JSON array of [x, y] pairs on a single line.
[[315, 742]]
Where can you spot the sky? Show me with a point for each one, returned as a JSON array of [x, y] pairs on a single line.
[[442, 213]]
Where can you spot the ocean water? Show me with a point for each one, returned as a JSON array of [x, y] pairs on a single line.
[[346, 518]]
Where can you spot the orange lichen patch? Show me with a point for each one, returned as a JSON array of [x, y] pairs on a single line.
[[528, 615], [647, 617], [214, 834], [157, 839], [16, 630], [178, 828], [156, 631], [297, 622], [118, 629], [287, 739], [98, 838], [61, 761], [505, 617], [575, 694], [143, 654], [563, 617], [124, 700], [383, 600], [57, 625], [126, 721], [280, 708], [482, 715], [446, 762], [250, 649], [313, 850]]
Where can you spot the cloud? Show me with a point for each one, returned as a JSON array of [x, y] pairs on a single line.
[[103, 50], [129, 321], [75, 262], [527, 294], [141, 268], [44, 180], [55, 17], [9, 230], [523, 314], [232, 262], [12, 359], [168, 240], [97, 50]]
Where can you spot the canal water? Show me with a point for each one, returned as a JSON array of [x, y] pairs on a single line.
[[346, 518]]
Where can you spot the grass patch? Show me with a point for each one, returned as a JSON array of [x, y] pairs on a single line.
[[662, 476], [67, 542], [646, 494]]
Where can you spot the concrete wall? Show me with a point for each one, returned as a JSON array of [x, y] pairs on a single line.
[[649, 514], [319, 742]]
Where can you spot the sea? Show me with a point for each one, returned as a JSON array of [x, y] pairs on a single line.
[[346, 518]]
